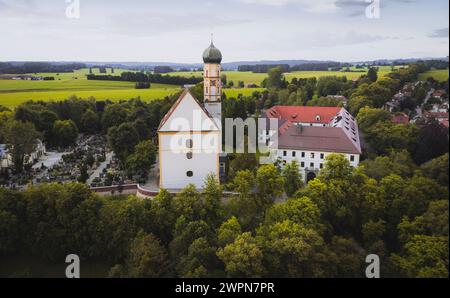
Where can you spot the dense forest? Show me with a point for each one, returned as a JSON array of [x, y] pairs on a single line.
[[34, 67], [149, 77], [325, 229]]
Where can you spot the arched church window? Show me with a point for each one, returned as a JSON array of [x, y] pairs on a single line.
[[189, 155], [189, 173]]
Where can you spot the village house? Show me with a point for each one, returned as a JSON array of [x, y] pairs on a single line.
[[400, 118], [6, 159], [439, 94]]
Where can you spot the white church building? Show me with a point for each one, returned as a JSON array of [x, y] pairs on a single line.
[[190, 134]]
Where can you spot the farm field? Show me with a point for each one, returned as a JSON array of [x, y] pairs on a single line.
[[243, 91], [437, 74], [256, 78], [14, 92]]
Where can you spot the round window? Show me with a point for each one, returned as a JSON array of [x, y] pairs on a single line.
[[189, 173]]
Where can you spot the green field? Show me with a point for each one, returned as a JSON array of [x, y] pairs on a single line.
[[437, 74], [243, 91], [246, 76], [14, 92], [256, 78]]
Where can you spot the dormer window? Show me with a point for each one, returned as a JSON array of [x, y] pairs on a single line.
[[317, 118]]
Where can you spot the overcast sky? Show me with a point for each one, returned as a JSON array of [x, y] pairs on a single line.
[[179, 30]]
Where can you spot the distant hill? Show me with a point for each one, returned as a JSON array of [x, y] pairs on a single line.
[[230, 65]]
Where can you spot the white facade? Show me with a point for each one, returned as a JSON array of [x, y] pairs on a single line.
[[6, 159], [310, 143], [188, 145], [311, 161]]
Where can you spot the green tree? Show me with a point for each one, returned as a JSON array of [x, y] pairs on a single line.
[[243, 257], [298, 210], [228, 231], [275, 78], [292, 250], [21, 140], [123, 140], [397, 162], [367, 117], [143, 158], [372, 74], [292, 178], [212, 195], [437, 169], [65, 133], [200, 260], [113, 115], [90, 122], [147, 257], [424, 257], [244, 183], [269, 184], [432, 142]]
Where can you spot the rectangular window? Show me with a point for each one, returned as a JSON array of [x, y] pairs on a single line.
[[321, 165], [311, 165], [302, 164], [303, 154], [312, 155], [352, 158], [293, 153], [322, 155], [284, 153]]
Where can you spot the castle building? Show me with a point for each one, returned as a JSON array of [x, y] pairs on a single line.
[[190, 134], [308, 134]]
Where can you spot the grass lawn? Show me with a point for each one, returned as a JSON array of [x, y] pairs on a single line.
[[437, 74]]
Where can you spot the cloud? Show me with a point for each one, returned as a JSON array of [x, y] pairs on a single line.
[[348, 38], [439, 33], [311, 6], [156, 23]]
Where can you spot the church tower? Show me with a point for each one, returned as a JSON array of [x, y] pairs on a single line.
[[212, 91]]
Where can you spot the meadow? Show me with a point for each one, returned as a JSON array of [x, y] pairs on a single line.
[[256, 78], [440, 75], [14, 92]]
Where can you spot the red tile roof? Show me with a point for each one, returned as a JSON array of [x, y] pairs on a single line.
[[401, 118], [436, 114], [327, 139], [303, 114]]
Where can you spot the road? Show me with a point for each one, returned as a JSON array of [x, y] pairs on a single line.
[[419, 108]]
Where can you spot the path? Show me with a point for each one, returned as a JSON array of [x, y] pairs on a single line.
[[100, 168]]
